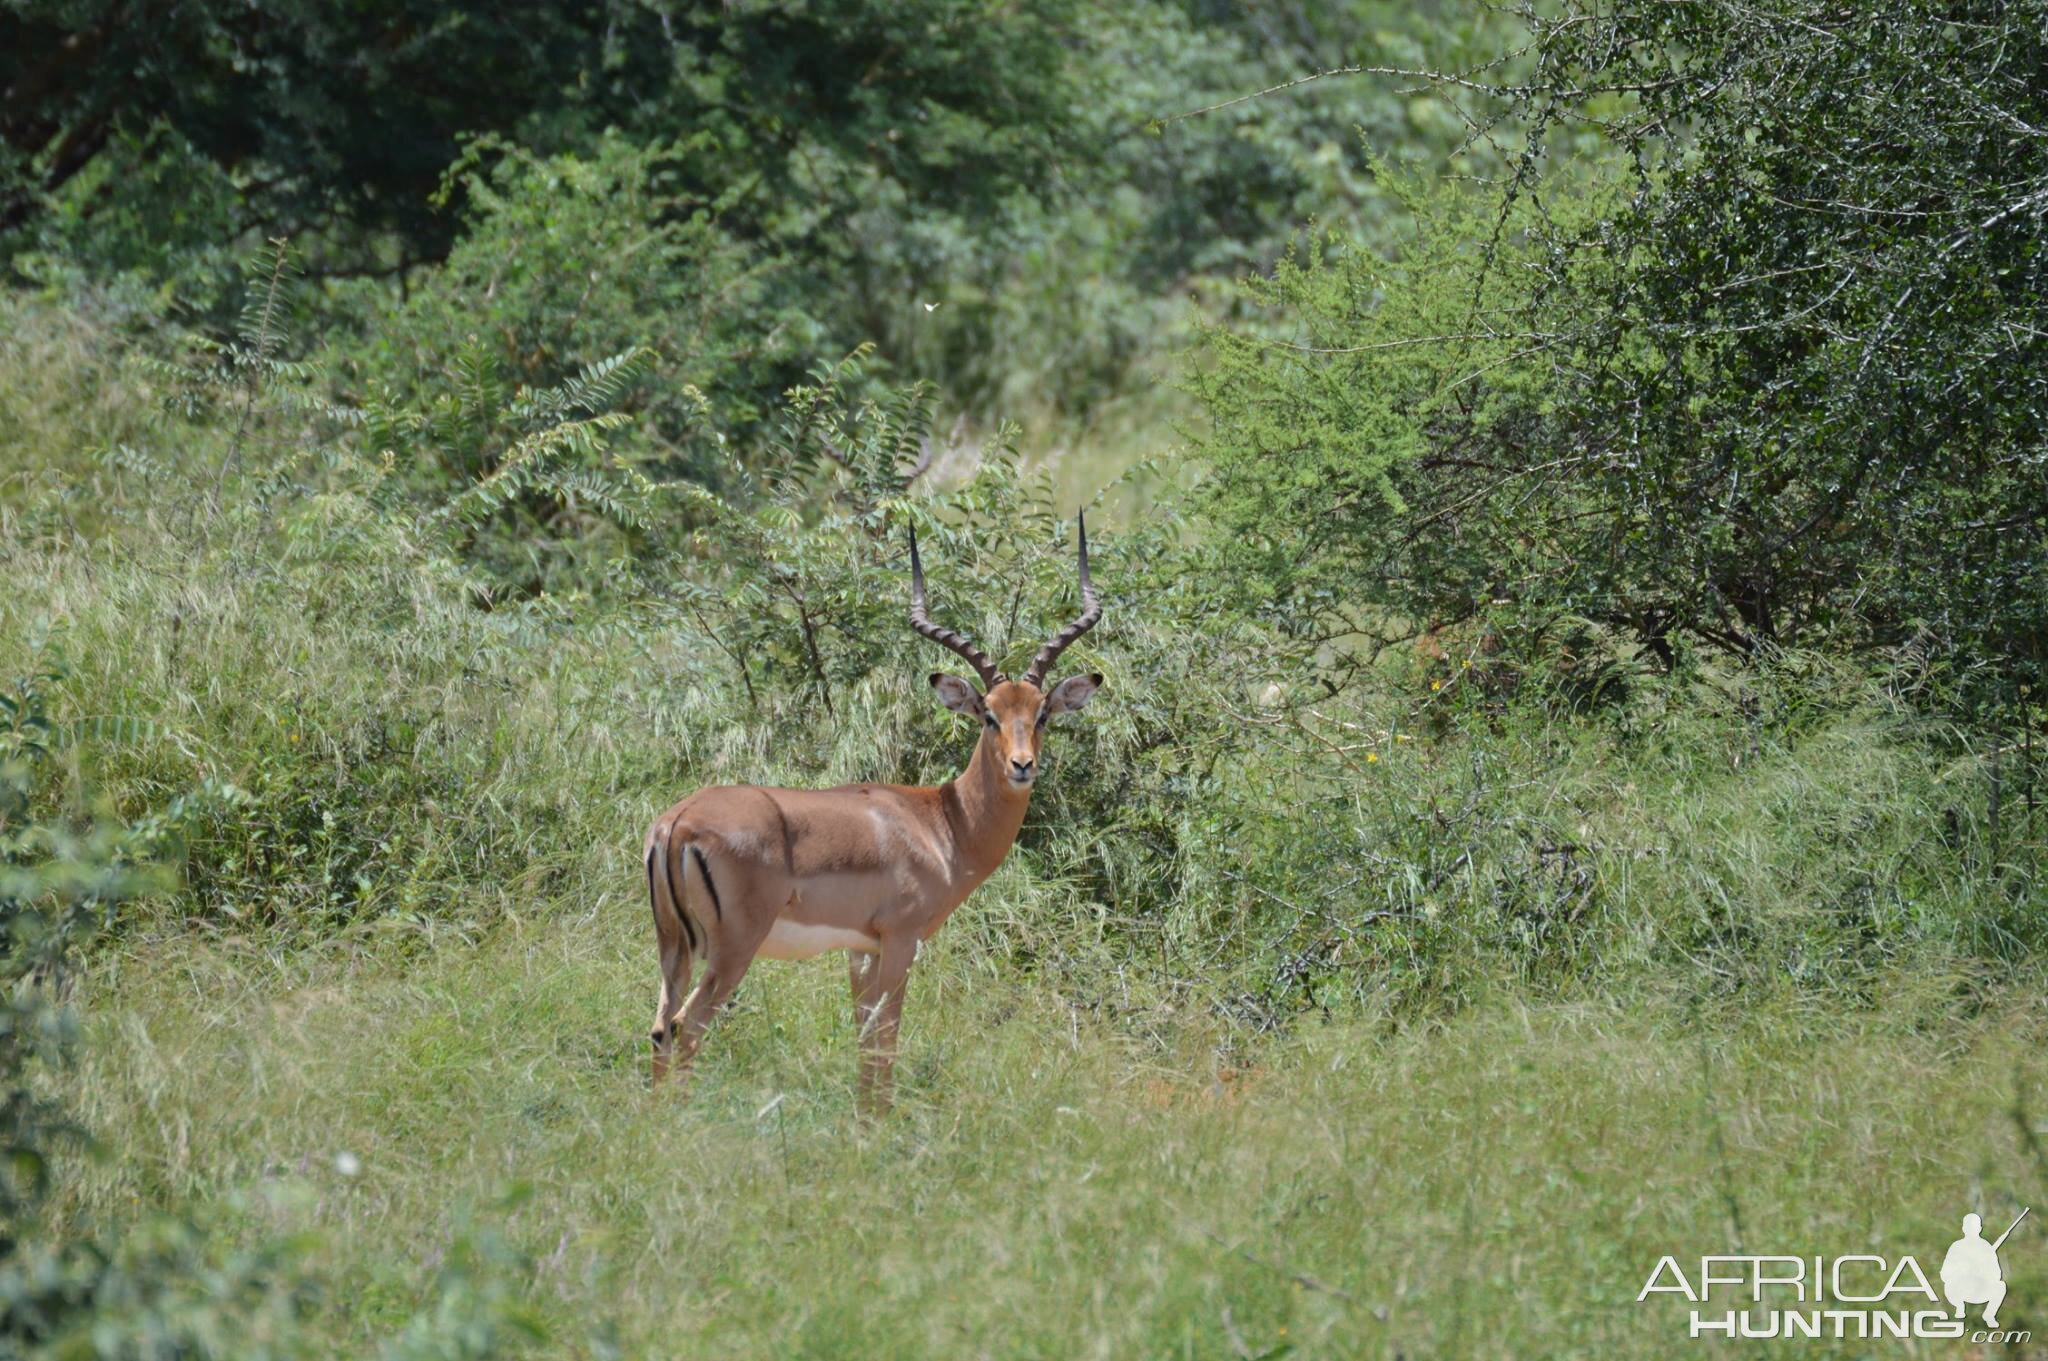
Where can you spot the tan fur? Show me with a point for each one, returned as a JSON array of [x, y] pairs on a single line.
[[887, 864]]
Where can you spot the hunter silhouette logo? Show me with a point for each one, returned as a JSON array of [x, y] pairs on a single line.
[[1970, 1274], [1858, 1295]]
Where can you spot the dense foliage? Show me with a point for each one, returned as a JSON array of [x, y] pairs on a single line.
[[1765, 369], [958, 183], [433, 438]]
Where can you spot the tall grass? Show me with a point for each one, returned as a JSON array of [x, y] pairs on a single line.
[[1405, 1020], [1052, 1185], [407, 758]]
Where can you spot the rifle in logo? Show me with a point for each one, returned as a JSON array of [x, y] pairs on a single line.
[[1971, 1273]]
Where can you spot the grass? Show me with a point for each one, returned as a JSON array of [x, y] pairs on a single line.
[[1422, 1032], [1501, 1184]]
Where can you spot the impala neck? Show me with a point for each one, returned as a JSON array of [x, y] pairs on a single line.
[[989, 811]]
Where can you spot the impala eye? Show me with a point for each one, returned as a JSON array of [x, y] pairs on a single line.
[[990, 719]]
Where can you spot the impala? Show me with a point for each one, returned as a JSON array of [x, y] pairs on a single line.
[[737, 872]]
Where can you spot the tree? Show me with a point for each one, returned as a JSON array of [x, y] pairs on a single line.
[[1764, 365], [345, 118]]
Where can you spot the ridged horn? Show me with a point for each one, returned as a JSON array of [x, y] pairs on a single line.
[[945, 637], [1091, 610]]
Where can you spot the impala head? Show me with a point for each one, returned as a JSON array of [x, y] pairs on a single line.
[[1012, 713]]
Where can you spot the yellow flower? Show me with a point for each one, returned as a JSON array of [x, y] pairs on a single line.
[[1371, 756], [1436, 685]]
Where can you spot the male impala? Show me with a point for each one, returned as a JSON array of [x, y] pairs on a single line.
[[739, 871]]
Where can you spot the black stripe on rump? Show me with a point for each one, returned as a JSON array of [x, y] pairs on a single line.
[[705, 869], [675, 891]]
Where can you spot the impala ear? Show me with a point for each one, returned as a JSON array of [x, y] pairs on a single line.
[[1072, 693], [957, 694]]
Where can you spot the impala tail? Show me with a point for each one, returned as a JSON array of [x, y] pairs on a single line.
[[678, 930], [665, 889]]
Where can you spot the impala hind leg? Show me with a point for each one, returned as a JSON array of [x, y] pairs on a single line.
[[675, 986], [723, 971]]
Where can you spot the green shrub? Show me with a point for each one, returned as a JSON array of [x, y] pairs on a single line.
[[415, 744], [564, 262], [1730, 389]]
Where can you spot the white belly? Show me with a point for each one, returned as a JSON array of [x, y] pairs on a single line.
[[801, 940]]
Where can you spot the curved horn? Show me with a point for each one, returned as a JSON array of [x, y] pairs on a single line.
[[945, 637], [1091, 610]]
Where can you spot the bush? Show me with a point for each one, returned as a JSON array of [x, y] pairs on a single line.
[[1731, 389], [164, 1289], [1255, 836], [564, 262], [169, 1284]]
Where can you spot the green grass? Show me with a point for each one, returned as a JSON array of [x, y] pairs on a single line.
[[1049, 1186], [1414, 1024]]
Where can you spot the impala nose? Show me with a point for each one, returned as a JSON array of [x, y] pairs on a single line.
[[1020, 771]]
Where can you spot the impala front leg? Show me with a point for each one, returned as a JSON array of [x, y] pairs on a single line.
[[858, 967], [877, 1010]]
